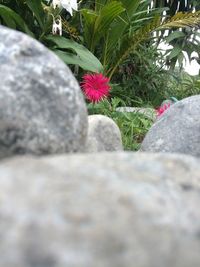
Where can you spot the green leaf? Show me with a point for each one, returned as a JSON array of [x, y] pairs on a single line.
[[175, 52], [79, 54], [130, 6], [96, 25], [107, 15], [36, 8], [12, 19], [175, 35], [130, 43], [89, 21], [180, 58]]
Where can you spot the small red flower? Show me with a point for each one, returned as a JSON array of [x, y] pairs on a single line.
[[162, 109], [95, 87]]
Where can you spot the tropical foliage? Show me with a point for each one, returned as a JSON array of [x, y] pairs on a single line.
[[183, 41], [112, 30], [142, 77], [115, 29], [118, 40], [36, 18], [182, 85]]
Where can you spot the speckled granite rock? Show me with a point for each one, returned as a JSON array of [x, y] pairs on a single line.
[[42, 110], [103, 134], [102, 210], [177, 130]]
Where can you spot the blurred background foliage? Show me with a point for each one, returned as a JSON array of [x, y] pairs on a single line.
[[122, 39]]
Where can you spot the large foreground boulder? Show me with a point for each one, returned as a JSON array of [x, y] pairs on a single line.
[[177, 130], [103, 134], [100, 210], [42, 110]]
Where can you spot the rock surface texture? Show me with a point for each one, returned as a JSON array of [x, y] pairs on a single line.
[[149, 113], [177, 130], [42, 110], [103, 134], [101, 210]]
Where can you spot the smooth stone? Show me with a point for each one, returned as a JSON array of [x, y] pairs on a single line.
[[103, 134], [105, 210], [177, 130], [42, 110]]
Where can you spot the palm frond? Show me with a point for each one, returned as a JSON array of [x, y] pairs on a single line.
[[181, 20], [129, 44]]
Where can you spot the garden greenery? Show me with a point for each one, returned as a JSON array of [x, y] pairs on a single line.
[[118, 38], [111, 30]]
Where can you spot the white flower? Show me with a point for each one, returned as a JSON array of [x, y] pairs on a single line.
[[56, 3], [69, 5], [57, 26]]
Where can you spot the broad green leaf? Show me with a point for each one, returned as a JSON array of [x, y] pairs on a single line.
[[12, 19], [8, 20], [36, 8], [79, 54]]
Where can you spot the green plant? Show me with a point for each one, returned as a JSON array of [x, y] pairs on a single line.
[[116, 31], [180, 40], [182, 85], [36, 18], [107, 27], [117, 38], [130, 43], [133, 126], [112, 30], [142, 77]]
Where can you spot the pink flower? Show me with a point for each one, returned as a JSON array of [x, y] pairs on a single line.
[[162, 109], [95, 87]]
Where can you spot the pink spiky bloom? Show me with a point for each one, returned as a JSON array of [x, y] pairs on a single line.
[[162, 109], [95, 87]]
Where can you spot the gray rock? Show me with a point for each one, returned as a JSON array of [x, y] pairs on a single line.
[[177, 130], [103, 134], [150, 113], [42, 110], [101, 210]]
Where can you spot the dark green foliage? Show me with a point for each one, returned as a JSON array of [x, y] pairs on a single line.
[[120, 35], [141, 78], [182, 85], [36, 18]]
